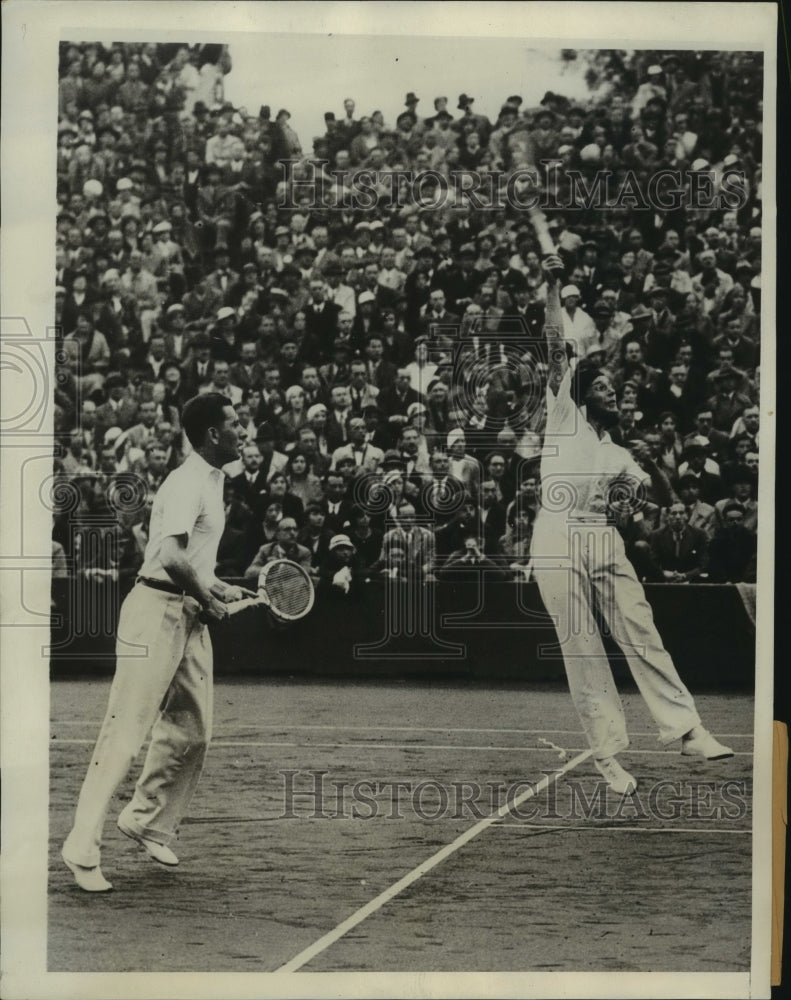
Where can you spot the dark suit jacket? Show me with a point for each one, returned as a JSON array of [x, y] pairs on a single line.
[[692, 555], [335, 522], [493, 528], [321, 329], [391, 403]]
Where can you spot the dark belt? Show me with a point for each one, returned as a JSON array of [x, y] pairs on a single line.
[[169, 588]]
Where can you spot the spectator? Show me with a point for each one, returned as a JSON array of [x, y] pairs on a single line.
[[314, 536], [340, 571], [679, 549], [741, 489], [302, 482], [285, 546], [700, 516], [733, 550], [172, 253]]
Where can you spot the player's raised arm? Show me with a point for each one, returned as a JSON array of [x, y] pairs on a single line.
[[553, 322]]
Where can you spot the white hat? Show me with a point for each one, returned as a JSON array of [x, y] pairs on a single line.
[[366, 297], [337, 540], [730, 159], [363, 225], [457, 434], [315, 410], [699, 164], [569, 290], [162, 227], [225, 312], [92, 188], [110, 275], [654, 70]]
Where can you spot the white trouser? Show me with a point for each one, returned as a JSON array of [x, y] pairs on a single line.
[[168, 684], [574, 565]]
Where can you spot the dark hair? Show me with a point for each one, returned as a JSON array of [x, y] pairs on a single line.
[[202, 412], [585, 374], [293, 454], [688, 480]]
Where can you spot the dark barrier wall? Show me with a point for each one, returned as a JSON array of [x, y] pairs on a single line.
[[481, 631]]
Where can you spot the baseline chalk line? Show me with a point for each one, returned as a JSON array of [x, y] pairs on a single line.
[[441, 855]]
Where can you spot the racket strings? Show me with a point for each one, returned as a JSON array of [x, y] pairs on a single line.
[[288, 589]]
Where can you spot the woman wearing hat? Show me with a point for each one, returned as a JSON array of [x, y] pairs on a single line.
[[294, 416], [339, 573]]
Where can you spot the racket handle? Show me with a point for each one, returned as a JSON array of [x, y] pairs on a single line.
[[539, 221], [234, 607]]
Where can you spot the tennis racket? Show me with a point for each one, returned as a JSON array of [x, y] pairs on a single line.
[[285, 589], [539, 223]]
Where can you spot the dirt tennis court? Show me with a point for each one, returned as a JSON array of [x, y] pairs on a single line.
[[276, 856]]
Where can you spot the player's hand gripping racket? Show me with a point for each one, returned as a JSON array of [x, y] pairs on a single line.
[[284, 588]]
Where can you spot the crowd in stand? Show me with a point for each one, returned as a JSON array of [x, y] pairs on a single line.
[[386, 361]]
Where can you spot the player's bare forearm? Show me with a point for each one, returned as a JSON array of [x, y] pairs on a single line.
[[180, 570], [553, 324]]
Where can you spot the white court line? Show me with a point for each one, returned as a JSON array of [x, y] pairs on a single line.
[[445, 852], [402, 746], [532, 827], [400, 729]]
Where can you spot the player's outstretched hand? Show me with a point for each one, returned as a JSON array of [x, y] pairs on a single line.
[[553, 267], [214, 609]]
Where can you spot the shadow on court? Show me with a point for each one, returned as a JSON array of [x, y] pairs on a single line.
[[317, 798]]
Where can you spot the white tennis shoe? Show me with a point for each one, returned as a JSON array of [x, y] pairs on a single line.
[[700, 742], [159, 852], [621, 782], [88, 879]]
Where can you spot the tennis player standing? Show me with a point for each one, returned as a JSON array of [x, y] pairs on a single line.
[[580, 563], [168, 684]]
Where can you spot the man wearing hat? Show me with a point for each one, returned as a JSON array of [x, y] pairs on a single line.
[[579, 557], [481, 123], [461, 283], [605, 336], [222, 279], [119, 410], [728, 403], [396, 399], [336, 291], [697, 462]]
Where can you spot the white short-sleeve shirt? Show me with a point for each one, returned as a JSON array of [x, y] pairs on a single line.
[[189, 502]]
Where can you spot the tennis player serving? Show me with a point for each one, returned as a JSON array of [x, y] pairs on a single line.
[[580, 562], [163, 676]]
